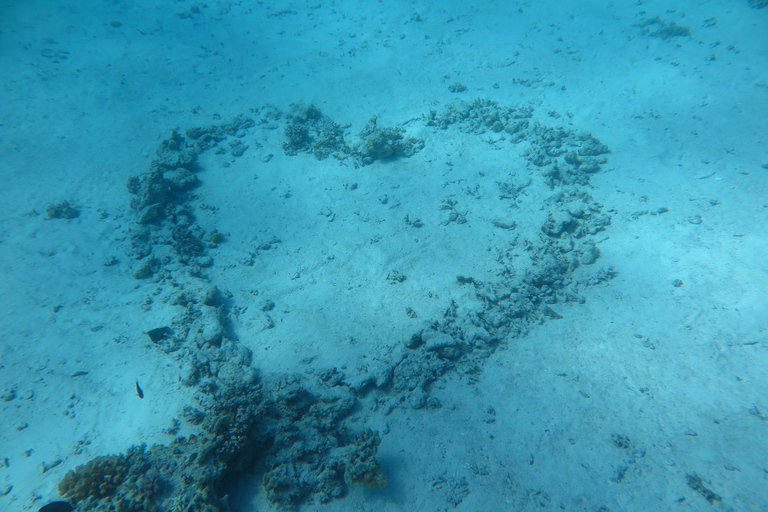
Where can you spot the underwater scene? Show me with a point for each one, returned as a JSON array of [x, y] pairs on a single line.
[[382, 256]]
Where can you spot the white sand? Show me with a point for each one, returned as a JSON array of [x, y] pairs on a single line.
[[688, 132]]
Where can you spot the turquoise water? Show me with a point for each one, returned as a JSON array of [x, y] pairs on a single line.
[[383, 256]]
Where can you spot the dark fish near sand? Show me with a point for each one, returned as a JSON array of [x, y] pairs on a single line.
[[57, 506]]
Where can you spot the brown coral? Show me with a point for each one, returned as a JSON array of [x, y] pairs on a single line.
[[97, 478], [362, 467]]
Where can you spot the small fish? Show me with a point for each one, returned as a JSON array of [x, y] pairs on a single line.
[[139, 391], [57, 506]]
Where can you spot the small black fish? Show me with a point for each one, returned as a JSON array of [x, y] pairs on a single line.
[[57, 506], [138, 392]]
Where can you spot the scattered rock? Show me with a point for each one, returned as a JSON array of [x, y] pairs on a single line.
[[62, 210]]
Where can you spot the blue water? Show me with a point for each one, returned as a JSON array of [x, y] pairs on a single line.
[[383, 256]]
